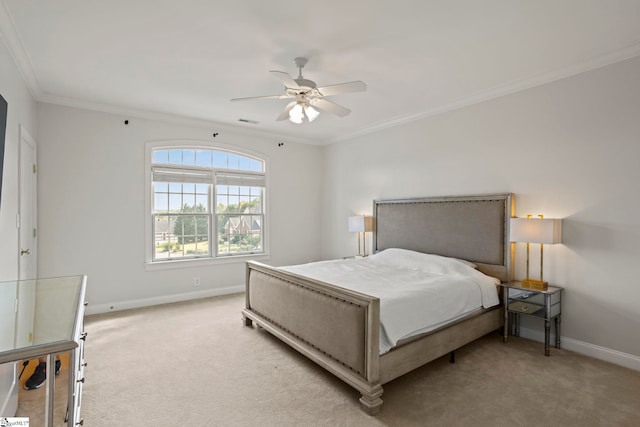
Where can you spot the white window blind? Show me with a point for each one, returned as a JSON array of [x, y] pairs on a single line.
[[169, 174], [241, 179]]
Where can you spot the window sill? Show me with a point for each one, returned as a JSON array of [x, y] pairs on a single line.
[[200, 262]]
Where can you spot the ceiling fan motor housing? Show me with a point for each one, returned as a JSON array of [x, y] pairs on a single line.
[[306, 84]]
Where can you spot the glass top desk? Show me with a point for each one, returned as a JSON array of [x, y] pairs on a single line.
[[45, 317]]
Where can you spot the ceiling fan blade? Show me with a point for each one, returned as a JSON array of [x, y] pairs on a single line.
[[262, 97], [285, 113], [330, 107], [330, 90], [285, 79]]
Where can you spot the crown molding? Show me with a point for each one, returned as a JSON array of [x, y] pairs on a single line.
[[166, 118], [14, 44], [505, 89]]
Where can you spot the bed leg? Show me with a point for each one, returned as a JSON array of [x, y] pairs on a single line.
[[246, 321], [371, 403], [452, 357]]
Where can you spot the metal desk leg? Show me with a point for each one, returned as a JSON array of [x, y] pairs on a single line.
[[51, 384], [72, 389]]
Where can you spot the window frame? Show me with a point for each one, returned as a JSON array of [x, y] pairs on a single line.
[[213, 258]]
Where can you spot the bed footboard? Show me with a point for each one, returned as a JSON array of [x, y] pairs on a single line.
[[337, 328]]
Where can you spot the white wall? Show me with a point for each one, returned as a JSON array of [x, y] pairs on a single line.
[[92, 213], [21, 111], [569, 149]]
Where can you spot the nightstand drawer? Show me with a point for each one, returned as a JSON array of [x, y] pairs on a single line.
[[524, 307], [532, 297]]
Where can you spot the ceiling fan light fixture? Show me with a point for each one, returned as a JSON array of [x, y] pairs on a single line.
[[296, 114], [311, 113]]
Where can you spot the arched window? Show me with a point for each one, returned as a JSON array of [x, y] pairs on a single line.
[[206, 203]]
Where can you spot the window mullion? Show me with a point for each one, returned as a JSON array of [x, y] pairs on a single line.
[[213, 232]]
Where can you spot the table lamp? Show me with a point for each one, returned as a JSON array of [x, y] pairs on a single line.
[[361, 224], [544, 231]]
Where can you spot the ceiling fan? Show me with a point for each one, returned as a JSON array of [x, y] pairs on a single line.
[[307, 97]]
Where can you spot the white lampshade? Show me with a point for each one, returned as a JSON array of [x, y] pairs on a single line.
[[360, 224], [311, 113], [302, 110], [536, 230], [296, 114]]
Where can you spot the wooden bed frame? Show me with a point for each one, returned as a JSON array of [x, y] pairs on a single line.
[[340, 329]]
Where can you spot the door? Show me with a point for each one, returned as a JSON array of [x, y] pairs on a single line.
[[28, 214], [20, 299], [28, 235]]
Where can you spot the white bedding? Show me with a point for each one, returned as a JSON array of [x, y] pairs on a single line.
[[418, 292]]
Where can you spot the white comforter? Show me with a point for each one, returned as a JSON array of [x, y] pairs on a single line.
[[418, 292]]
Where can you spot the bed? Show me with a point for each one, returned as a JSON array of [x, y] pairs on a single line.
[[340, 328]]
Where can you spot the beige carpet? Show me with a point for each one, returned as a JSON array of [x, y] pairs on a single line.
[[195, 364]]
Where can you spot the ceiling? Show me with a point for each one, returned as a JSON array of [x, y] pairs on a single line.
[[418, 57]]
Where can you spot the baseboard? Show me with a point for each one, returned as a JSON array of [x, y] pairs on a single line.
[[602, 353], [164, 299]]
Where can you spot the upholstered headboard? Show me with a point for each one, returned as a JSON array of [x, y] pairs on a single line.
[[474, 228]]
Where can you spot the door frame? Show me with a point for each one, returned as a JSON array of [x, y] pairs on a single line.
[[25, 137]]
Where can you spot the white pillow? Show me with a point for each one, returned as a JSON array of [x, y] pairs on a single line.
[[412, 259], [405, 255]]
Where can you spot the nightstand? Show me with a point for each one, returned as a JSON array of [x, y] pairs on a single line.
[[545, 304]]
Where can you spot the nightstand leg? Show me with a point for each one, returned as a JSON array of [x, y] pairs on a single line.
[[505, 328], [558, 331], [547, 332], [505, 299], [516, 320]]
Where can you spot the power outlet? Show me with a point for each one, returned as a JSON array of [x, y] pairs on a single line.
[[196, 281]]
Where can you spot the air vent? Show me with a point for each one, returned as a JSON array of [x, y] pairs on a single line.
[[253, 122]]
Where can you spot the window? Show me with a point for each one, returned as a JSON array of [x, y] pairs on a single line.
[[206, 203]]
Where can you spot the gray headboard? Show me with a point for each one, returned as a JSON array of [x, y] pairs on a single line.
[[475, 228]]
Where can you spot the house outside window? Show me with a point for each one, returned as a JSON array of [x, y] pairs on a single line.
[[206, 203]]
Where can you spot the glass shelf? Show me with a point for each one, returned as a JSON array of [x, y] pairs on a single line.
[[46, 316]]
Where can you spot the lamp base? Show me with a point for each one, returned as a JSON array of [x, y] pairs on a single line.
[[538, 285]]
